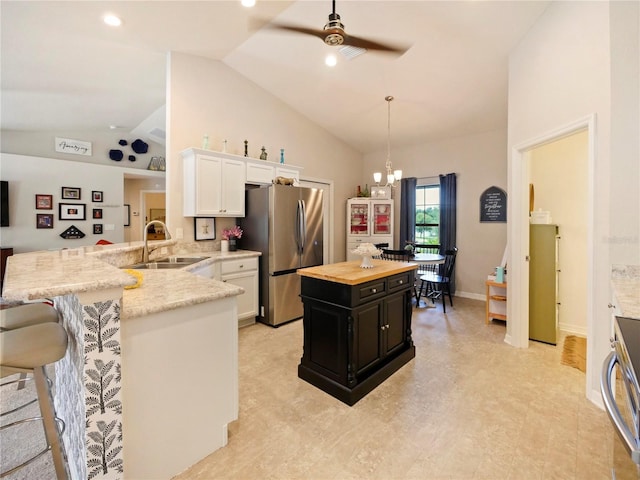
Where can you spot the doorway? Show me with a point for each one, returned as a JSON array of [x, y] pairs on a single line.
[[152, 207], [518, 237]]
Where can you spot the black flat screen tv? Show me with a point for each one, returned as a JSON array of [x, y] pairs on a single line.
[[4, 203]]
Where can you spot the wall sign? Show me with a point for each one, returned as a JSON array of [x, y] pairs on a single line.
[[493, 205], [77, 147]]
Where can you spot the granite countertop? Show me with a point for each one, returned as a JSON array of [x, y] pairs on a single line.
[[350, 273], [48, 274], [625, 283], [163, 290]]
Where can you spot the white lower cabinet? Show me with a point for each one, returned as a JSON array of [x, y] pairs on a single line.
[[243, 273]]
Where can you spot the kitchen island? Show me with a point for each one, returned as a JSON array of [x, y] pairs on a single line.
[[357, 325], [149, 382]]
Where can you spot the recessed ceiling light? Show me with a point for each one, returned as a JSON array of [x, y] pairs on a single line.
[[248, 3], [112, 20], [331, 60]]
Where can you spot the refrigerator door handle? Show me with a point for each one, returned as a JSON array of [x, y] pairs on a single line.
[[301, 225]]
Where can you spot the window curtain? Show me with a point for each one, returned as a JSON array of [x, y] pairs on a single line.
[[448, 217], [407, 210]]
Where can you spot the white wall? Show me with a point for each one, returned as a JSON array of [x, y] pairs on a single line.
[[42, 144], [479, 161], [207, 97], [559, 175], [560, 72], [29, 176]]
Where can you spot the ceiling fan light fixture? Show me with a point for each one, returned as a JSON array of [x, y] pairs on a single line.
[[112, 20], [330, 60]]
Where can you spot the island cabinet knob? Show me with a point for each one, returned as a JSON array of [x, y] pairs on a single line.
[[373, 290], [401, 282]]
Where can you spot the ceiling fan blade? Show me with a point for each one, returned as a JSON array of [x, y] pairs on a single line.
[[371, 45], [297, 28]]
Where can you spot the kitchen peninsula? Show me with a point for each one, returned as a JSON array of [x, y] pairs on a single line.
[[357, 325], [137, 357]]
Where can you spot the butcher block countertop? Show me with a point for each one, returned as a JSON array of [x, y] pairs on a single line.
[[350, 273]]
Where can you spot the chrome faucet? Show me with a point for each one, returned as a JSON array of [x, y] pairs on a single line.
[[145, 250]]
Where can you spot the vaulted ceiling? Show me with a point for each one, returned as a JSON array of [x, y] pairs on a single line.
[[63, 69]]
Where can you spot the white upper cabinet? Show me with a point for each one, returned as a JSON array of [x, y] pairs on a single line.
[[214, 181], [213, 186]]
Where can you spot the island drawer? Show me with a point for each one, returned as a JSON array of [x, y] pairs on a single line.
[[371, 290], [399, 282]]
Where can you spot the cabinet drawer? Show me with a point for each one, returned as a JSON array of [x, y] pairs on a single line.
[[240, 265], [400, 282], [371, 290]]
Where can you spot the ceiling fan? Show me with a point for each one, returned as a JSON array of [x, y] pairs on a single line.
[[333, 34]]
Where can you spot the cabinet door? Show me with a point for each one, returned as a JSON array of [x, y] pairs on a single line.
[[382, 217], [232, 188], [260, 173], [358, 217], [247, 301], [207, 191], [395, 325], [367, 329]]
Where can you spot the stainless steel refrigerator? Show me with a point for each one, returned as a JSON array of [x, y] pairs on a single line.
[[284, 223]]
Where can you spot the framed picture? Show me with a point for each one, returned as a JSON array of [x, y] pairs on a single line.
[[97, 229], [70, 193], [44, 202], [204, 228], [96, 196], [97, 213], [72, 211], [127, 215], [44, 220]]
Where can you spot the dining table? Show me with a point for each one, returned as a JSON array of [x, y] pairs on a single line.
[[424, 259], [428, 258]]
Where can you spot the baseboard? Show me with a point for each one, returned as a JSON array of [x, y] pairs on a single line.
[[473, 296], [573, 329]]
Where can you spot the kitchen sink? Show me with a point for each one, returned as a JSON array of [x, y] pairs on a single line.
[[156, 265], [166, 263], [183, 260]]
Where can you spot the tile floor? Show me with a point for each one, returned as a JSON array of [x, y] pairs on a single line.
[[468, 406]]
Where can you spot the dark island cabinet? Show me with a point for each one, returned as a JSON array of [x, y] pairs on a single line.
[[355, 336]]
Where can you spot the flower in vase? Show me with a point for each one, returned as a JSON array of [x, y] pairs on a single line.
[[234, 232]]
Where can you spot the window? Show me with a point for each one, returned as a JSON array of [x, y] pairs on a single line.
[[427, 215]]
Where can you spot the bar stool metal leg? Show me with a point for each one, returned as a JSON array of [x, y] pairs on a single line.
[[51, 431]]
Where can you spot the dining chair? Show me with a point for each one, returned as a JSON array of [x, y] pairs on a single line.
[[436, 285], [397, 255]]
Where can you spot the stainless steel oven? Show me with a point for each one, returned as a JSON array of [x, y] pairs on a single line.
[[621, 394]]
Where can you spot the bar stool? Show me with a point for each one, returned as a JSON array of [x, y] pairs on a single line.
[[29, 350], [27, 315], [24, 316]]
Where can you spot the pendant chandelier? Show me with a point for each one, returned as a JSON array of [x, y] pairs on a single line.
[[392, 175]]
